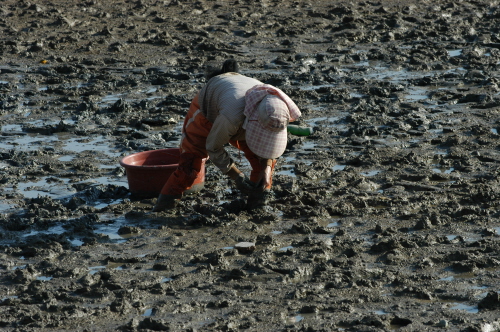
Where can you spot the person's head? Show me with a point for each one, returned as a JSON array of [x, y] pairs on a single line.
[[266, 130], [229, 66]]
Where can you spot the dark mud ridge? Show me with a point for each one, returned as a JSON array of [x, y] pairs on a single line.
[[386, 218]]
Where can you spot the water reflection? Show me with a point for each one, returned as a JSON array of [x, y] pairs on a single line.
[[454, 53], [473, 309]]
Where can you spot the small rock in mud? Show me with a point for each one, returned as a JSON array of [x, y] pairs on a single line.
[[245, 247]]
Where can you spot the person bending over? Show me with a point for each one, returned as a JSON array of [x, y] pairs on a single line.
[[239, 110]]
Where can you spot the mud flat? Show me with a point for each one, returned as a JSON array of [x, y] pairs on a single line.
[[385, 218]]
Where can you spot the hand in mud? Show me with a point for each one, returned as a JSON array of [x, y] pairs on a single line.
[[244, 184]]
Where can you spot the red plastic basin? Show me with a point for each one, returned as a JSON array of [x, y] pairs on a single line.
[[148, 171]]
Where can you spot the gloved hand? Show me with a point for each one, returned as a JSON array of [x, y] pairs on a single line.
[[265, 175], [242, 182]]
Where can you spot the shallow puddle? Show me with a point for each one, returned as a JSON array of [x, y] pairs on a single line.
[[115, 266], [12, 128], [302, 317], [371, 173], [42, 187], [201, 324], [324, 120], [9, 297], [111, 98], [26, 142], [393, 74], [339, 167], [112, 266], [309, 145], [442, 152], [100, 144], [148, 313], [47, 186], [66, 158], [473, 309], [417, 94], [478, 287], [451, 237], [380, 312], [43, 278], [454, 53], [286, 248], [58, 229], [111, 230], [18, 267], [6, 207], [287, 170], [34, 142], [458, 276], [76, 242], [95, 269], [316, 87], [443, 170], [102, 205], [291, 160], [453, 305]]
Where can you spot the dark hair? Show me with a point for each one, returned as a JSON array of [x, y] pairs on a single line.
[[229, 66]]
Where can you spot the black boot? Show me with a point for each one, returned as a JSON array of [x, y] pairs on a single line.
[[166, 202], [258, 200]]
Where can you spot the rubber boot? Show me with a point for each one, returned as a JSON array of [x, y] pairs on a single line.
[[166, 202], [258, 200]]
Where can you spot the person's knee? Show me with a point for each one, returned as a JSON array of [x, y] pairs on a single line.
[[189, 163]]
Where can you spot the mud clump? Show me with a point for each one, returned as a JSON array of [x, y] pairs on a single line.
[[385, 218]]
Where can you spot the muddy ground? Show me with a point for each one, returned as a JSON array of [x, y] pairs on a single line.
[[386, 218]]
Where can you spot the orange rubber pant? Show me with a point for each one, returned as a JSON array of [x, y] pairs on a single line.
[[195, 131]]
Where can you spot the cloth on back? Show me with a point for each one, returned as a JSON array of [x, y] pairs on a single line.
[[222, 101]]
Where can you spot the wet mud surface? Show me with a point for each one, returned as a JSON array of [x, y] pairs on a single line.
[[385, 218]]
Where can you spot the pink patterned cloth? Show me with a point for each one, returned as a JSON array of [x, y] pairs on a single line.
[[258, 92], [268, 111]]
